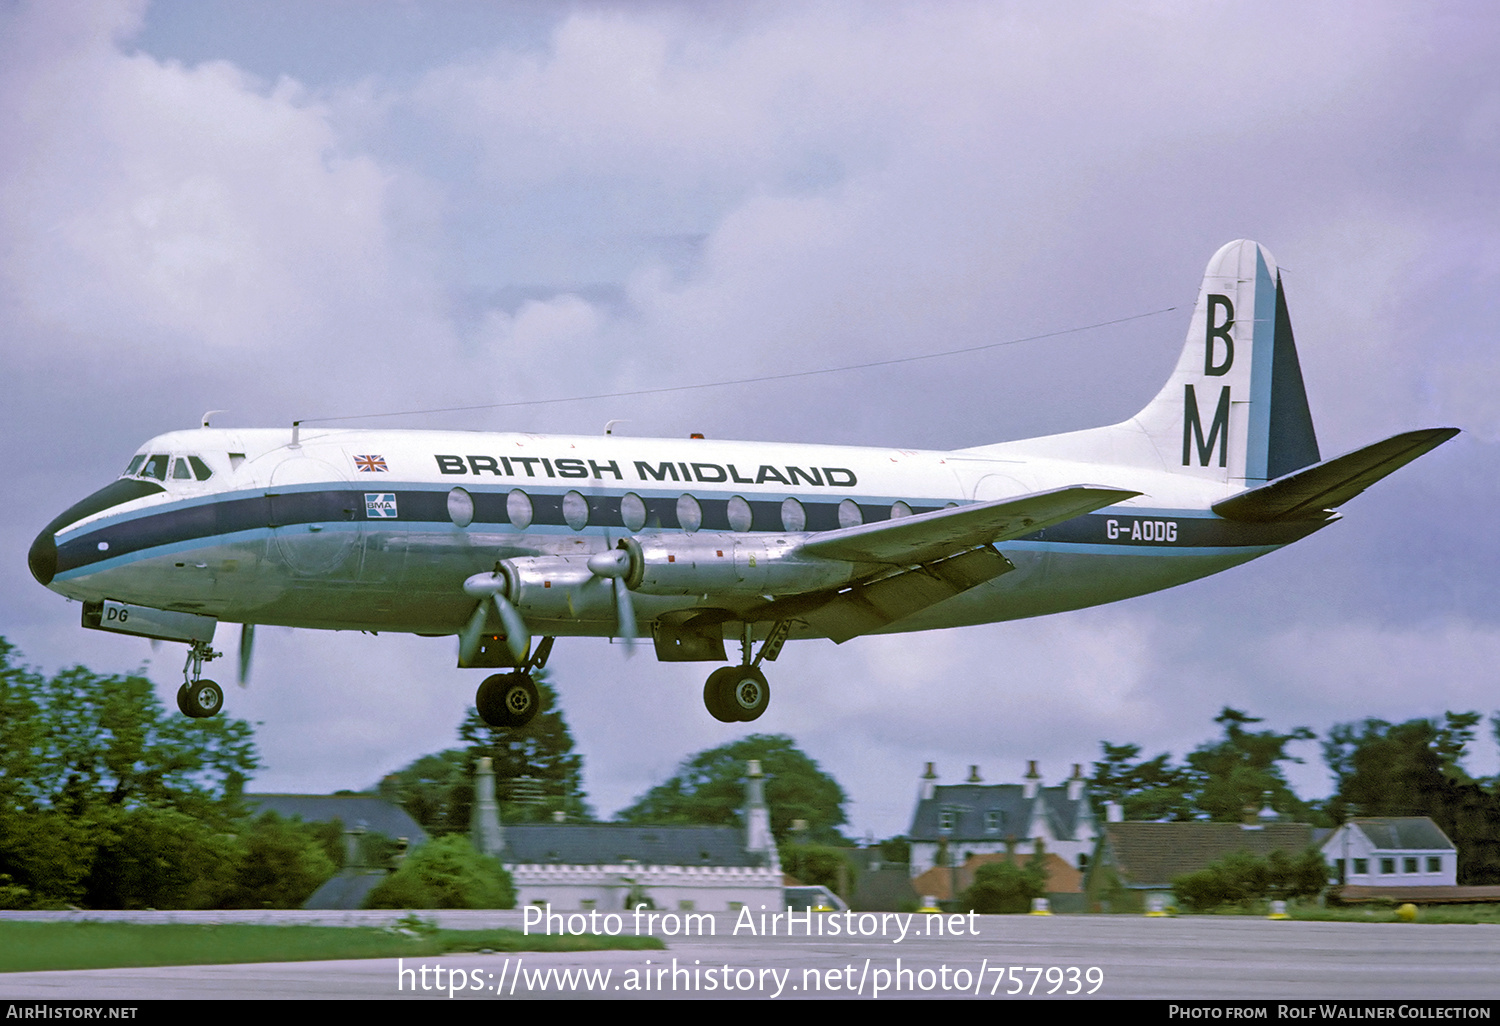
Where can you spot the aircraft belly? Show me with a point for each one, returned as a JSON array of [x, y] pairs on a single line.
[[1049, 579]]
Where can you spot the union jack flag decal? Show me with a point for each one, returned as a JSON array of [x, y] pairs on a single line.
[[370, 464]]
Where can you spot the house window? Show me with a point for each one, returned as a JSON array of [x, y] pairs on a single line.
[[1409, 864], [1434, 863], [992, 822], [945, 820], [1388, 866], [1361, 867]]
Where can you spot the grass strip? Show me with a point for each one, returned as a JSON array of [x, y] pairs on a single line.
[[30, 947]]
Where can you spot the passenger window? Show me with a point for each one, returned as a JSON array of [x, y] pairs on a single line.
[[740, 514], [793, 516], [632, 511], [900, 509], [575, 510], [518, 509], [200, 469], [689, 513], [850, 515]]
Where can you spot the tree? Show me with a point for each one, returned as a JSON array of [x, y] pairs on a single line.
[[1004, 887], [1415, 769], [446, 872], [1241, 879], [709, 788], [1147, 790], [107, 799], [1242, 770], [536, 771]]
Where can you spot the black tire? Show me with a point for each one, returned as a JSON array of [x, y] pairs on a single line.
[[201, 699], [746, 693], [716, 695], [507, 700]]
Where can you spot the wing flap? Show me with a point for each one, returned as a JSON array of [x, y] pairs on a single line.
[[932, 536], [1309, 493]]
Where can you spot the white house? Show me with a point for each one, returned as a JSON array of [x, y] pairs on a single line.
[[975, 818], [1393, 852]]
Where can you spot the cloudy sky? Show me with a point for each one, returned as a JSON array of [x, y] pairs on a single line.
[[287, 210]]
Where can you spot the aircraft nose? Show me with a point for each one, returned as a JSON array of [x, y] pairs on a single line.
[[42, 557]]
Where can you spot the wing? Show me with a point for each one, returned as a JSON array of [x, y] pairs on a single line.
[[947, 532], [935, 556], [1309, 493]]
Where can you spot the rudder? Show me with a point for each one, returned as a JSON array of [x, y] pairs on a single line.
[[1235, 409]]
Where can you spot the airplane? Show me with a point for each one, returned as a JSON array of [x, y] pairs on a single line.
[[500, 539]]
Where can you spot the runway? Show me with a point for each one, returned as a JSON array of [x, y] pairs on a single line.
[[990, 957]]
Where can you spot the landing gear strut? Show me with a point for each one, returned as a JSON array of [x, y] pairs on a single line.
[[512, 699], [199, 698], [739, 694]]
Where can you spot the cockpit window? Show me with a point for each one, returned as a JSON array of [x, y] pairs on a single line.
[[135, 465], [200, 469], [155, 468], [181, 471]]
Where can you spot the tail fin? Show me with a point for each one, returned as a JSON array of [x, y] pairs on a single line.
[[1235, 409]]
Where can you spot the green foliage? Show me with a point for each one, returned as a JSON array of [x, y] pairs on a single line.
[[1242, 770], [109, 800], [1242, 878], [445, 873], [709, 789], [283, 863], [1148, 790], [1004, 887], [1415, 769], [820, 864]]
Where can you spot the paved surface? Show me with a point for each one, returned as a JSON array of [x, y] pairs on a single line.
[[1127, 957]]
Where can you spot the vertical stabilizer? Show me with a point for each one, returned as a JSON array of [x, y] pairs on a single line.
[[1235, 409]]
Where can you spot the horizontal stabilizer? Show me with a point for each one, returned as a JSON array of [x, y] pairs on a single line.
[[1308, 494], [929, 536]]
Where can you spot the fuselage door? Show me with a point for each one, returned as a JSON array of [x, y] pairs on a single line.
[[314, 519]]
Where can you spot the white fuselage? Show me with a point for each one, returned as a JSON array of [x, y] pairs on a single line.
[[378, 530]]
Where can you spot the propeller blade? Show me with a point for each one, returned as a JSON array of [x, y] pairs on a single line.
[[516, 634], [247, 649], [469, 638], [625, 615]]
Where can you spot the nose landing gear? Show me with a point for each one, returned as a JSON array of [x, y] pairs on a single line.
[[199, 698]]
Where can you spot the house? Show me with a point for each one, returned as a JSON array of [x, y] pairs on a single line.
[[1139, 860], [944, 883], [613, 866], [975, 818], [1406, 851]]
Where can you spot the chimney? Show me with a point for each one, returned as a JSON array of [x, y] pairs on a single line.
[[929, 782], [974, 776], [1114, 812], [484, 820], [1033, 781], [757, 816], [1075, 783]]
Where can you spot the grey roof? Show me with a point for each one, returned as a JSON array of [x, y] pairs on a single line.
[[344, 890], [594, 844], [1405, 833], [970, 803], [366, 810]]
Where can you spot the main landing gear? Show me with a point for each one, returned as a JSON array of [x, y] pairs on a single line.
[[738, 694], [512, 699], [199, 698]]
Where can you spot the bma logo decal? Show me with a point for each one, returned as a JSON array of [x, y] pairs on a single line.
[[379, 505], [1193, 438]]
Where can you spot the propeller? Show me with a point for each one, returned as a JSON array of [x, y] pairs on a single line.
[[614, 566], [247, 648], [487, 588]]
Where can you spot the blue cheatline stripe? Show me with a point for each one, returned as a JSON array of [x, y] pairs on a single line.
[[164, 531], [1262, 357]]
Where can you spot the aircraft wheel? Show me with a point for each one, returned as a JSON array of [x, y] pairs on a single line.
[[746, 693], [716, 695], [200, 699], [507, 700]]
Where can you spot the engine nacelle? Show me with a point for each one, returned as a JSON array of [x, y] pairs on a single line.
[[724, 563], [557, 588]]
